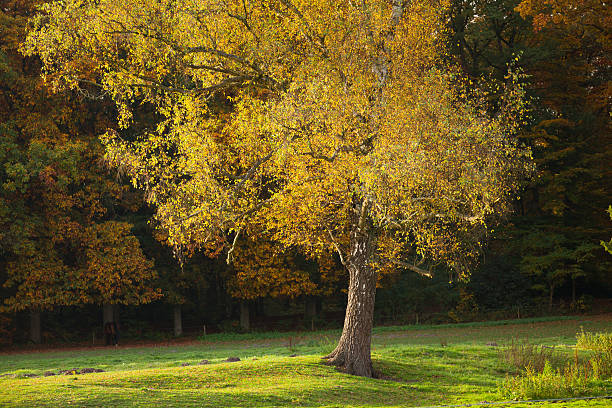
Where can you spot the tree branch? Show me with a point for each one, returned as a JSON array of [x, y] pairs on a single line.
[[335, 244], [228, 259], [413, 268]]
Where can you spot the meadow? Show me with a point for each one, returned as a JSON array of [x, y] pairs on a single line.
[[418, 366]]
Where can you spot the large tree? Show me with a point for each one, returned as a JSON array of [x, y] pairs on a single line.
[[62, 239], [330, 125]]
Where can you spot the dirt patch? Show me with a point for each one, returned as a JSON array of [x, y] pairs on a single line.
[[29, 375], [76, 371]]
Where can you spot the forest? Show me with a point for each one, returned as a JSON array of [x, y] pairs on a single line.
[[182, 188]]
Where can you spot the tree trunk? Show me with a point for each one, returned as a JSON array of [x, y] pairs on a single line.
[[352, 354], [550, 299], [178, 321], [108, 313], [108, 317], [310, 308], [310, 311], [35, 336], [245, 323]]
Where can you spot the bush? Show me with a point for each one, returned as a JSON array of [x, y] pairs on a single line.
[[7, 330], [599, 342], [466, 309], [582, 305], [542, 381], [601, 345], [571, 381], [524, 356], [231, 326]]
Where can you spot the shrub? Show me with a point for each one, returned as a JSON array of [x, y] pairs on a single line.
[[541, 381], [599, 342], [601, 345], [231, 326], [467, 308], [523, 355], [571, 381], [7, 330]]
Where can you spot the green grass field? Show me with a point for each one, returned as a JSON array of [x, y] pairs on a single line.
[[420, 366]]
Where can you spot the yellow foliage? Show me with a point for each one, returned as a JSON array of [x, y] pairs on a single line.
[[308, 120]]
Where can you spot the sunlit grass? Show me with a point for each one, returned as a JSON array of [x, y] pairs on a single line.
[[419, 367]]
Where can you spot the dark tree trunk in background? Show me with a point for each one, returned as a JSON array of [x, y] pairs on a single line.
[[35, 336], [245, 323], [352, 354], [310, 312], [110, 316], [310, 308], [108, 313], [550, 298], [178, 321]]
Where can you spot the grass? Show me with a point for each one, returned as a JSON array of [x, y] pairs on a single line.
[[421, 366]]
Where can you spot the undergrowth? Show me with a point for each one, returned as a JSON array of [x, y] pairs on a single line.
[[600, 344], [523, 355], [541, 379]]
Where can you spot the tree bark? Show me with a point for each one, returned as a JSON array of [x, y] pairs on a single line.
[[35, 336], [245, 323], [352, 354], [310, 311], [310, 308], [108, 313], [178, 321], [550, 298]]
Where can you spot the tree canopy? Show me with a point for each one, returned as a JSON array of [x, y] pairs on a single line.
[[61, 241], [332, 126], [564, 48]]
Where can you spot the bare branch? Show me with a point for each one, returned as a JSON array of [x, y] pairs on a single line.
[[309, 33], [236, 58], [228, 259], [214, 69], [328, 158], [335, 244], [413, 268], [243, 179]]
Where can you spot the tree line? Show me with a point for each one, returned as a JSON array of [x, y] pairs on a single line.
[[300, 147]]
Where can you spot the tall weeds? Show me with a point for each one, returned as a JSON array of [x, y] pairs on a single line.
[[523, 355], [600, 344], [540, 379]]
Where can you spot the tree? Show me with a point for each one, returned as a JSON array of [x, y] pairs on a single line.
[[61, 240], [564, 51], [261, 270], [331, 126], [573, 135]]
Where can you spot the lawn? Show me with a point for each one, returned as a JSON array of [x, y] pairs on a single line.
[[419, 366]]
